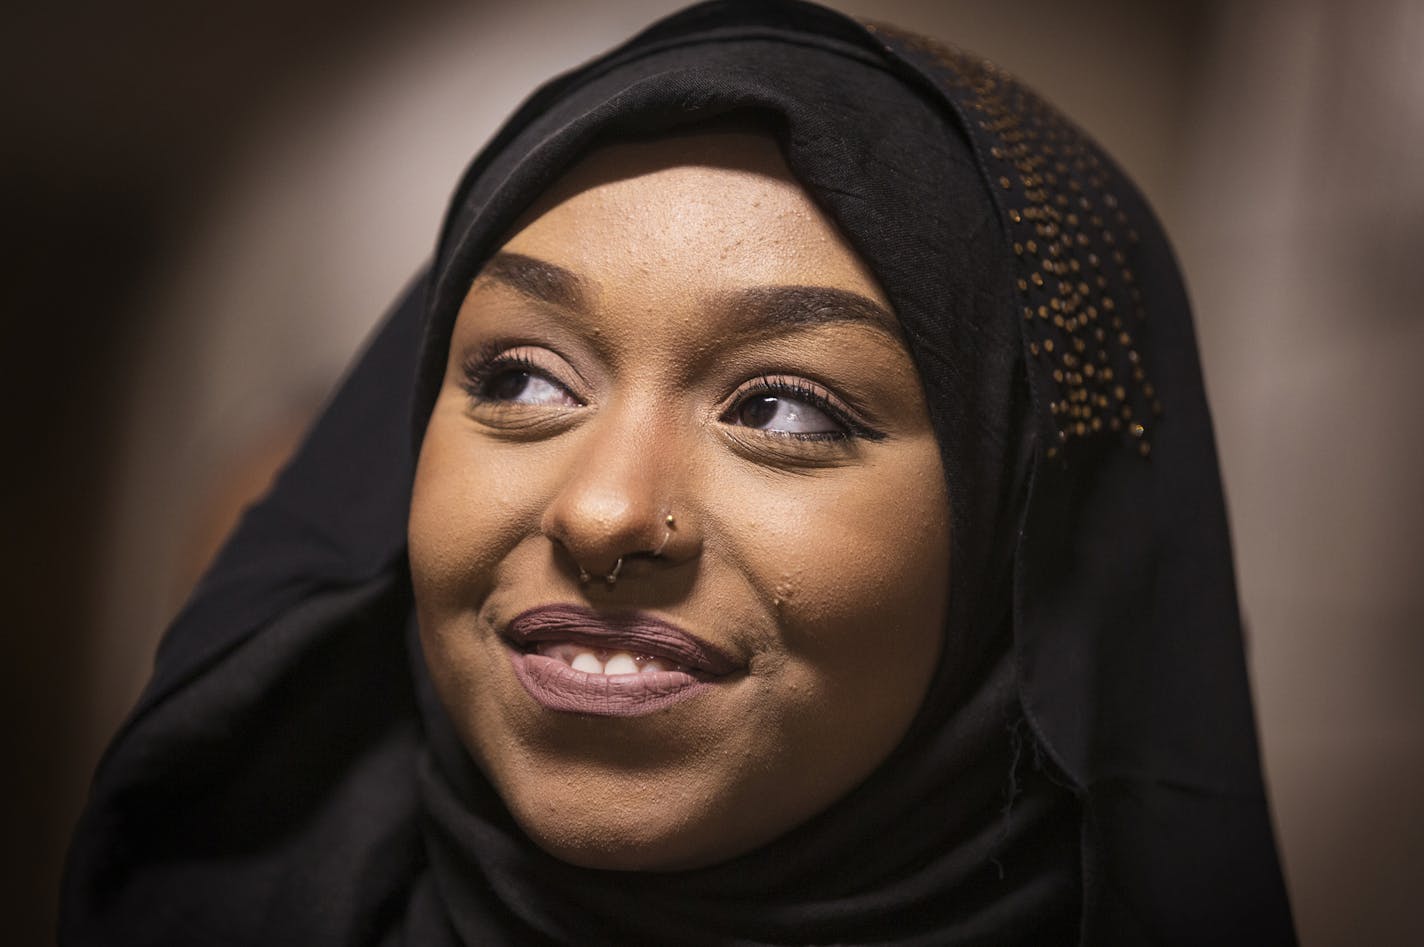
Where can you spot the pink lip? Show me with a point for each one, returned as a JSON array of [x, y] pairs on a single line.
[[557, 686]]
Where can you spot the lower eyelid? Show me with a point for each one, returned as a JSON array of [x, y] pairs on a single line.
[[790, 452], [836, 435]]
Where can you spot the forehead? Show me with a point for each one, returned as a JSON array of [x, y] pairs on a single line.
[[694, 214]]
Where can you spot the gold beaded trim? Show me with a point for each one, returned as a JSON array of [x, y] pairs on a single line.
[[1058, 197]]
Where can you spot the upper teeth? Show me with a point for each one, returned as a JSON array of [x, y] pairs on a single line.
[[603, 662]]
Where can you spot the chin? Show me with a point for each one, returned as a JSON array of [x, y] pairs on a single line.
[[633, 840], [601, 816], [608, 855]]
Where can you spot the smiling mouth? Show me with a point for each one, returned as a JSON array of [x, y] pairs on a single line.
[[576, 660]]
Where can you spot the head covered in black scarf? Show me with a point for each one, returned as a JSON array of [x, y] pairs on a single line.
[[1084, 768]]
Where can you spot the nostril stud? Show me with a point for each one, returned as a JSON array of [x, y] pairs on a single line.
[[670, 523]]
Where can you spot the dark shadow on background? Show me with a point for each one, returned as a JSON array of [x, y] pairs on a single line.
[[115, 123]]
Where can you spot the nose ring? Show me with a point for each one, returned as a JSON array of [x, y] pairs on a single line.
[[670, 523], [610, 577]]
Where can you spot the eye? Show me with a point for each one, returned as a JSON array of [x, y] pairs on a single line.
[[516, 385], [785, 414], [515, 377], [791, 407]]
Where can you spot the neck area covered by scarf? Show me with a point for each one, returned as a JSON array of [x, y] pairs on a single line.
[[1084, 768]]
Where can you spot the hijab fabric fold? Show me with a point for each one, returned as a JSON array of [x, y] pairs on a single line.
[[1084, 769]]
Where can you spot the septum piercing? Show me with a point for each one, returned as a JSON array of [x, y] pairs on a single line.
[[611, 577]]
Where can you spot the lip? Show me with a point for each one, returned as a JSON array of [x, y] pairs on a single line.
[[556, 686]]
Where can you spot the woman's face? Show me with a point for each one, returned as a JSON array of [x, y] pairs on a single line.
[[676, 330]]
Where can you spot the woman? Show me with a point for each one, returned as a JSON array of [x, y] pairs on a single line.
[[815, 537]]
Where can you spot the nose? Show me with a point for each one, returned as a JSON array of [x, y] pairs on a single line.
[[617, 507]]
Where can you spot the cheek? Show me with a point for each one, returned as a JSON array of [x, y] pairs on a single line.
[[857, 571], [469, 506]]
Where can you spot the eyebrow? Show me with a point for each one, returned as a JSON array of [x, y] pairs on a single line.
[[777, 309], [786, 308], [536, 279]]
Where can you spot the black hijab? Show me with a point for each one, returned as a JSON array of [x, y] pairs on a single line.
[[1084, 768]]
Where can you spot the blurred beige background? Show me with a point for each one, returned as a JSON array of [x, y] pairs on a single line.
[[297, 167]]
